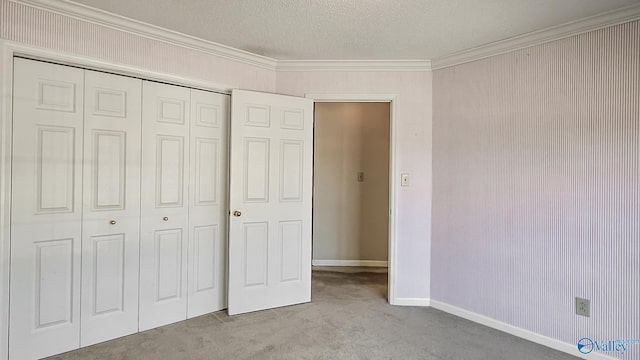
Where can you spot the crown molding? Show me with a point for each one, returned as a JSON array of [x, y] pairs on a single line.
[[354, 65], [600, 21], [121, 23]]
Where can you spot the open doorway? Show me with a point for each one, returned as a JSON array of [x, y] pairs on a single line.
[[352, 193]]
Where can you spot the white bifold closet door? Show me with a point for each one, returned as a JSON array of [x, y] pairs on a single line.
[[75, 208], [119, 206], [184, 171], [208, 211], [46, 214], [165, 209], [111, 207]]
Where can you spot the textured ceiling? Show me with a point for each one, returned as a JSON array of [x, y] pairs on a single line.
[[355, 29]]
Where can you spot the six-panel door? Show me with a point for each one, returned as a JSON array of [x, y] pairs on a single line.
[[270, 200], [208, 212], [165, 209], [111, 204], [46, 214]]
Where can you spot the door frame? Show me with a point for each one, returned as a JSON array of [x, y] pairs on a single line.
[[392, 262], [9, 50]]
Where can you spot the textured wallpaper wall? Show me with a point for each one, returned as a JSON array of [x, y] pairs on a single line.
[[46, 29], [536, 195]]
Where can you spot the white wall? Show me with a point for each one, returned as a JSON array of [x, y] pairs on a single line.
[[413, 156], [350, 218]]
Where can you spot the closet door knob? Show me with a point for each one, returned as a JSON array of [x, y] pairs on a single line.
[[237, 213], [166, 218], [112, 222]]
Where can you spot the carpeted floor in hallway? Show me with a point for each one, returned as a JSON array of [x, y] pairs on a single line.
[[348, 318]]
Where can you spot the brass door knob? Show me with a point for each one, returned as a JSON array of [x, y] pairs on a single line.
[[166, 218], [112, 222], [237, 213]]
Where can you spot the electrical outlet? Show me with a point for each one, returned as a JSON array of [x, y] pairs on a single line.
[[583, 307]]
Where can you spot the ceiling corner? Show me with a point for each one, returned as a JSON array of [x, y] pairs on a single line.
[[596, 22]]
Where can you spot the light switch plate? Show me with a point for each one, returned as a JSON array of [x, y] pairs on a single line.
[[404, 179]]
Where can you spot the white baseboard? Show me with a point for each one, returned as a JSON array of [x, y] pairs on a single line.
[[519, 332], [411, 302], [369, 263]]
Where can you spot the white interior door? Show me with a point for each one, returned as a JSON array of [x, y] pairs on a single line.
[[208, 210], [111, 202], [270, 200], [46, 209], [165, 209]]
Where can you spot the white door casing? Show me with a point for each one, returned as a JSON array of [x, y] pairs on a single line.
[[208, 203], [270, 186], [46, 209], [111, 205], [393, 197], [164, 206]]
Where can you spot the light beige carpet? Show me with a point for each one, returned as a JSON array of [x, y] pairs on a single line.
[[348, 318]]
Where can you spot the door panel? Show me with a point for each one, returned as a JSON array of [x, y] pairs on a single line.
[[291, 170], [208, 212], [111, 203], [170, 169], [256, 255], [256, 170], [46, 209], [165, 211], [108, 178], [108, 269], [168, 256], [290, 243], [271, 175], [54, 282], [55, 147], [206, 241]]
